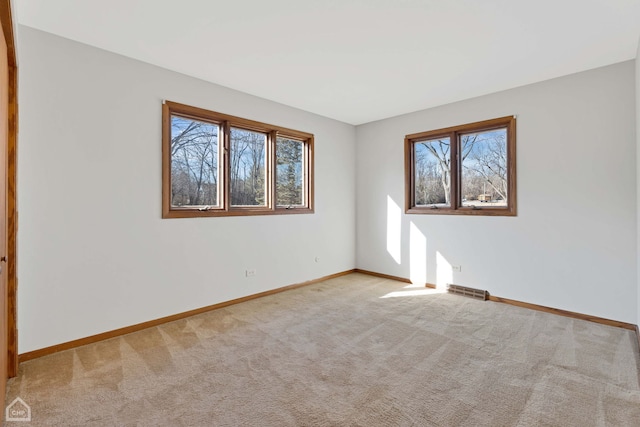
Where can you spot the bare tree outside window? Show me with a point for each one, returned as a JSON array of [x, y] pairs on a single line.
[[248, 167], [433, 172], [484, 169], [194, 165]]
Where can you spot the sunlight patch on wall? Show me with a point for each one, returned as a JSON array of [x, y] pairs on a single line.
[[394, 229], [444, 271], [417, 256]]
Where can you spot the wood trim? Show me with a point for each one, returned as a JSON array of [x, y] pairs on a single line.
[[512, 165], [152, 323], [484, 211], [224, 190], [197, 113], [455, 179], [6, 19], [225, 123], [409, 174], [12, 225], [310, 174], [271, 168], [455, 203], [235, 211], [480, 126], [381, 275], [565, 313], [166, 156], [387, 276]]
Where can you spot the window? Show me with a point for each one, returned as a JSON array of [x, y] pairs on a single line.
[[467, 170], [289, 172], [214, 164]]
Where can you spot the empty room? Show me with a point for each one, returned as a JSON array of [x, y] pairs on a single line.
[[318, 213]]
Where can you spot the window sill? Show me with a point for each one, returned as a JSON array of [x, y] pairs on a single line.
[[484, 211], [195, 213]]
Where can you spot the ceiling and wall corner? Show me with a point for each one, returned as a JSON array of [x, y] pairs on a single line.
[[352, 60]]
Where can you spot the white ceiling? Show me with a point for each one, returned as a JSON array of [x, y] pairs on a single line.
[[354, 60]]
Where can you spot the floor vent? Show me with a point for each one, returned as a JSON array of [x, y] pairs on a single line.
[[468, 292]]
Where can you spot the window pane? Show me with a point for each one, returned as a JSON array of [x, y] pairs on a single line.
[[289, 172], [194, 162], [248, 167], [484, 168], [432, 172]]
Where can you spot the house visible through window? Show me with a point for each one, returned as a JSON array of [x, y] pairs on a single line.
[[220, 165], [467, 169]]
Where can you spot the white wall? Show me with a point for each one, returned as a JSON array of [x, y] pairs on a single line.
[[94, 254], [572, 245]]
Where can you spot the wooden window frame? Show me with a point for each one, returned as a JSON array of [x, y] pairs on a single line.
[[456, 207], [225, 123]]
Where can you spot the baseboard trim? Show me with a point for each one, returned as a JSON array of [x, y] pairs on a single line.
[[530, 306], [388, 276], [151, 323], [383, 276], [565, 313]]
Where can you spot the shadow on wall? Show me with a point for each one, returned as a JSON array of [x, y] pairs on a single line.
[[417, 250]]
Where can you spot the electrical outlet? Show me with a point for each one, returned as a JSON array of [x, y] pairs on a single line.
[[456, 268], [250, 273], [317, 259]]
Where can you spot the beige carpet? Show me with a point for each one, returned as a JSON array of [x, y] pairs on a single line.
[[352, 351]]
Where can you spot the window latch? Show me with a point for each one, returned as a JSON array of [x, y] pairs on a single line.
[[204, 208]]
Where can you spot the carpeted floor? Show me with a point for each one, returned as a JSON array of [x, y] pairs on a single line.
[[351, 351]]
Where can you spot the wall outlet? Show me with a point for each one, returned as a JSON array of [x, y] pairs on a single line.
[[456, 268], [250, 273], [317, 259]]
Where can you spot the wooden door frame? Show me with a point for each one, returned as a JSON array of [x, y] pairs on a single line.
[[6, 19]]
